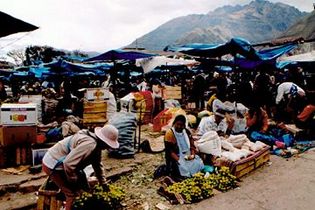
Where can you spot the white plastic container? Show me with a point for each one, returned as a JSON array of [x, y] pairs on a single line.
[[18, 114]]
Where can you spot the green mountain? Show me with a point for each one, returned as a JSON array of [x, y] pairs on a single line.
[[257, 21], [304, 28]]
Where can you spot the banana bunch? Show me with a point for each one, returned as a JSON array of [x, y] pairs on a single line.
[[99, 199]]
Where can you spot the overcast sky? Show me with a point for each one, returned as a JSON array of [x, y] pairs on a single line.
[[101, 25]]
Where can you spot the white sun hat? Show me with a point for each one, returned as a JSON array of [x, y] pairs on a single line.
[[108, 134]]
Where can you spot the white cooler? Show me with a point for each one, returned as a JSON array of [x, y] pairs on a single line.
[[18, 114]]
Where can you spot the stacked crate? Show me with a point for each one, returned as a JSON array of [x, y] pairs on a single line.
[[48, 197], [17, 133], [95, 107]]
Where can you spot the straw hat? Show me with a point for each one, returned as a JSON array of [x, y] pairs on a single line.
[[108, 134]]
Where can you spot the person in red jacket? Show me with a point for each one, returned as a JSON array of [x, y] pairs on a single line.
[[306, 119]]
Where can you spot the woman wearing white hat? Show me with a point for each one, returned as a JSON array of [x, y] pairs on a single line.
[[66, 159]]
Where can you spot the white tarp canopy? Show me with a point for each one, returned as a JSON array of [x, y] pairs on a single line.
[[148, 64], [305, 57]]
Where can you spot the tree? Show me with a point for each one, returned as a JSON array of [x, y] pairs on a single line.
[[18, 56], [41, 54], [80, 54]]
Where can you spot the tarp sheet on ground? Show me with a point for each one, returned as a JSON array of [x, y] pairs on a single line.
[[235, 46], [10, 25], [114, 55], [148, 64]]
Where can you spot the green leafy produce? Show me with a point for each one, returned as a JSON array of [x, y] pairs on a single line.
[[100, 199], [200, 186], [225, 180], [192, 189]]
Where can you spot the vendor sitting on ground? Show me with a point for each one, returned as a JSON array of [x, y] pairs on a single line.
[[306, 119], [257, 119], [258, 128], [216, 122], [180, 151]]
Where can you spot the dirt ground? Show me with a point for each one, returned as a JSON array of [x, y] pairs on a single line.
[[280, 184]]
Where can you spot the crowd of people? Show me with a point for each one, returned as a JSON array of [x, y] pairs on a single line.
[[270, 102], [256, 99]]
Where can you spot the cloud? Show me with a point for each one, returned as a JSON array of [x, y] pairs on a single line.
[[105, 24]]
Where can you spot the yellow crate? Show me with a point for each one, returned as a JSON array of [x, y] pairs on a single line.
[[244, 171], [47, 199], [94, 106], [265, 157], [88, 116], [93, 121], [245, 166]]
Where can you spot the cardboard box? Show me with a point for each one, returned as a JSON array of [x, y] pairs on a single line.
[[96, 94], [37, 155], [15, 135], [18, 114], [36, 99]]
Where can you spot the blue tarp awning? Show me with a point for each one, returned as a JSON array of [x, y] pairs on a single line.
[[114, 55], [237, 46], [63, 68]]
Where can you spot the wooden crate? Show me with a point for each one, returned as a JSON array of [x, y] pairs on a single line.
[[94, 106], [94, 112], [17, 135], [15, 155], [96, 94], [246, 165], [172, 92], [94, 120], [100, 115], [47, 198]]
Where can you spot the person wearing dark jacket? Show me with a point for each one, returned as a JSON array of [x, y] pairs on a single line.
[[198, 90]]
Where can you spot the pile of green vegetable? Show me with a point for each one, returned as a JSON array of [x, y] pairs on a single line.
[[201, 186], [99, 198]]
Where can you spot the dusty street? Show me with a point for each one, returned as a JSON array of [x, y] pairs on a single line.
[[282, 185]]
